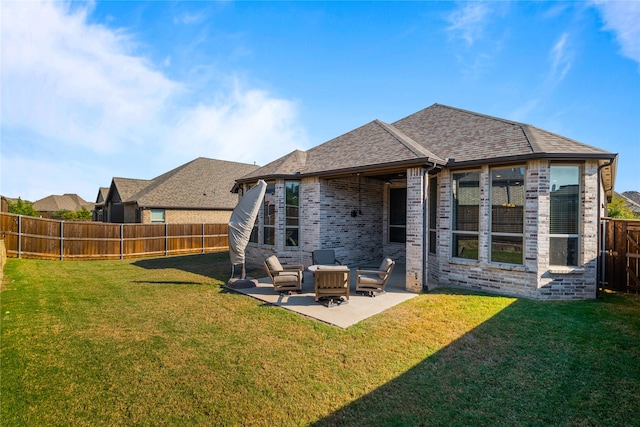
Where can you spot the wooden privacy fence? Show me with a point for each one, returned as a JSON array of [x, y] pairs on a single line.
[[622, 254], [31, 237]]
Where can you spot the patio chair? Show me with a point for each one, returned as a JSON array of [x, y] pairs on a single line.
[[324, 257], [285, 278], [372, 282], [332, 282]]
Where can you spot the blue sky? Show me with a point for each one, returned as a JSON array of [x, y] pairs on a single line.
[[95, 90]]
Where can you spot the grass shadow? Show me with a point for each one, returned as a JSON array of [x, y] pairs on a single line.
[[533, 363], [216, 265]]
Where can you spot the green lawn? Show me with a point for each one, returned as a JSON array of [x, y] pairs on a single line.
[[161, 342]]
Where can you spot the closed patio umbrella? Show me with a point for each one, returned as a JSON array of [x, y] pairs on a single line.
[[241, 223]]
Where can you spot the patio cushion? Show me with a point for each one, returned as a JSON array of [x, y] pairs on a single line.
[[286, 277], [368, 280], [384, 266], [274, 264]]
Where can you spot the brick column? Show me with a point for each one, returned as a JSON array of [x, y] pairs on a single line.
[[416, 268]]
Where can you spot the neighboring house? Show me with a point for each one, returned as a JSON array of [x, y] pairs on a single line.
[[195, 192], [632, 199], [49, 205], [100, 209], [460, 198]]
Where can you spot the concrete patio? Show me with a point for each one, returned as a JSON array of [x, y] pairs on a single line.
[[359, 307]]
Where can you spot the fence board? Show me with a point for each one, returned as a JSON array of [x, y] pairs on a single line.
[[31, 237]]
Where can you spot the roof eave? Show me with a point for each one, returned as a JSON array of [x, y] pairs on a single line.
[[452, 163], [366, 169]]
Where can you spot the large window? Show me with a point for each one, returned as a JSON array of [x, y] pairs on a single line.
[[398, 215], [292, 212], [507, 215], [269, 215], [465, 215], [564, 220], [433, 214]]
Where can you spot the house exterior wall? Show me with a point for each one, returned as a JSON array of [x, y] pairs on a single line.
[[130, 210], [356, 239], [535, 278], [572, 282], [326, 222], [177, 216]]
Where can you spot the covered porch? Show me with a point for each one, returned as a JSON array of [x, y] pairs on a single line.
[[364, 216]]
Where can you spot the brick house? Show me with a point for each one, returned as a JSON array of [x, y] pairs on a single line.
[[459, 197], [196, 192]]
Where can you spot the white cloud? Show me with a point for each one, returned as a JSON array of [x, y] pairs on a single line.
[[468, 22], [623, 19], [561, 58], [85, 89], [244, 125]]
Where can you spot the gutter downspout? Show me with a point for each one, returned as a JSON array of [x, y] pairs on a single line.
[[600, 271], [425, 228]]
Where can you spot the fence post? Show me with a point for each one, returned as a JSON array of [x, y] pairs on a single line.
[[203, 237], [121, 241], [61, 240], [19, 236], [166, 239]]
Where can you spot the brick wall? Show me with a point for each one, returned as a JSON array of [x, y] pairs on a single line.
[[535, 278], [569, 282], [415, 248], [189, 217]]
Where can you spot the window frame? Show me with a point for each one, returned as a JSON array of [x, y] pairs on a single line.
[[455, 233], [575, 237], [157, 211], [270, 201], [433, 214], [289, 241], [493, 233]]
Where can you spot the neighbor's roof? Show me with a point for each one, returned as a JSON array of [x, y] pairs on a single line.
[[66, 202], [202, 183], [438, 134], [103, 192]]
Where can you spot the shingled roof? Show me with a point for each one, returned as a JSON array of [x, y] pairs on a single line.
[[440, 135], [472, 137], [66, 202], [200, 184]]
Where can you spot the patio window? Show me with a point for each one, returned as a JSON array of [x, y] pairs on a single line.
[[465, 215], [157, 215], [433, 214], [398, 215], [564, 215], [292, 212], [269, 215], [507, 215]]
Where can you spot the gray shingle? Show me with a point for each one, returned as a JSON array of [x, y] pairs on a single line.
[[202, 183]]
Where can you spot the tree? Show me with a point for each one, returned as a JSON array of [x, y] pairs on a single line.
[[618, 208], [80, 215], [22, 207], [84, 214]]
